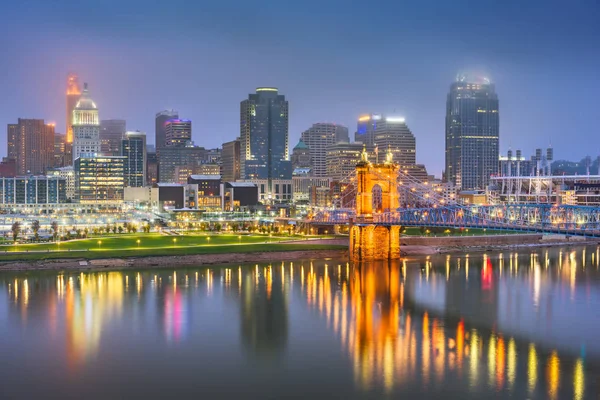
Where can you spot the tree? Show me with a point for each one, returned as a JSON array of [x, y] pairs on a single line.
[[54, 226], [86, 231], [16, 229], [107, 229], [120, 229], [114, 228], [217, 227], [35, 227], [235, 227], [78, 233]]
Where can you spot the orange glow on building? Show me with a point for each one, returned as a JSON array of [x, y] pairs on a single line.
[[73, 94]]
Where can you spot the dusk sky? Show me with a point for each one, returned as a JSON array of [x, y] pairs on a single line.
[[333, 60]]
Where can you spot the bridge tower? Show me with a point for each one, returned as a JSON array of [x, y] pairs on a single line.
[[367, 241]]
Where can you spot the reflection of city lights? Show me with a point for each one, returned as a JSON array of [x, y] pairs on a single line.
[[532, 366], [578, 380], [553, 375], [512, 363]]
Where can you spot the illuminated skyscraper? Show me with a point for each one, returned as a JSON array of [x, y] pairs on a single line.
[[86, 126], [73, 94], [178, 132], [472, 133], [318, 138], [112, 132], [264, 136], [31, 145], [133, 148], [160, 121]]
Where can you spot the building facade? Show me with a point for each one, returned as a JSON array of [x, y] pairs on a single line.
[[342, 159], [472, 133], [73, 94], [318, 138], [112, 132], [230, 161], [264, 152], [301, 157], [32, 190], [68, 174], [178, 132], [151, 168], [172, 159], [99, 179], [31, 145], [159, 126], [86, 126], [133, 148], [59, 150]]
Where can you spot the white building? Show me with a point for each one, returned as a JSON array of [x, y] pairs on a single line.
[[68, 173], [86, 126]]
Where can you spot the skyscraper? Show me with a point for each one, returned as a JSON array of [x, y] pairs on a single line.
[[31, 145], [112, 132], [264, 151], [230, 161], [365, 132], [133, 148], [472, 133], [318, 138], [159, 132], [99, 179], [59, 150], [178, 132], [86, 126], [73, 94]]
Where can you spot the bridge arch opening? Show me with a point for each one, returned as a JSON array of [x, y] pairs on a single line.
[[377, 196]]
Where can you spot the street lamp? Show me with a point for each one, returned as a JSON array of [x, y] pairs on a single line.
[[240, 239], [99, 243], [174, 241], [138, 243]]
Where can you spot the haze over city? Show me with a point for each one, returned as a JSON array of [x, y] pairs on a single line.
[[332, 60]]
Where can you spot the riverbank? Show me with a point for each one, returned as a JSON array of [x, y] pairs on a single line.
[[423, 245], [192, 260]]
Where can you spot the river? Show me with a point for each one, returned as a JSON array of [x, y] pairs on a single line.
[[503, 325]]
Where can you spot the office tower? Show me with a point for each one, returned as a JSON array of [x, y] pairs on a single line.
[[318, 138], [342, 159], [365, 132], [159, 132], [178, 132], [230, 161], [8, 168], [151, 168], [112, 132], [472, 133], [31, 145], [171, 159], [264, 136], [86, 126], [301, 156], [133, 148], [99, 179], [73, 94], [59, 150]]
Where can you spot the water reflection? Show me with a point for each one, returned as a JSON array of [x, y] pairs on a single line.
[[513, 324]]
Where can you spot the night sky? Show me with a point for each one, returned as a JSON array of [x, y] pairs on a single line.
[[333, 60]]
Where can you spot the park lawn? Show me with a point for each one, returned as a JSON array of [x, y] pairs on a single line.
[[147, 241], [169, 251]]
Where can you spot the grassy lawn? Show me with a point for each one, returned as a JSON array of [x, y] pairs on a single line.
[[151, 244]]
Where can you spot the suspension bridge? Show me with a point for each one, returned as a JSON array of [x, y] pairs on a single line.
[[377, 199]]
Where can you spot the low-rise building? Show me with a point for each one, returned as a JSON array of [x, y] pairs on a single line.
[[32, 191], [99, 179], [238, 195]]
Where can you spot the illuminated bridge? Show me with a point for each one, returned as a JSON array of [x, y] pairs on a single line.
[[378, 199]]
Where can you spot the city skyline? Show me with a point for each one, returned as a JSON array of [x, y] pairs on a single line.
[[540, 73]]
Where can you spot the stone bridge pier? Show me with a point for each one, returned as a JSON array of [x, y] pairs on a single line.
[[371, 242]]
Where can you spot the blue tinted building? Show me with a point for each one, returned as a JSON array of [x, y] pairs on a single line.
[[264, 150]]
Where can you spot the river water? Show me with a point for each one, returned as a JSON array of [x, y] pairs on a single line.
[[520, 325]]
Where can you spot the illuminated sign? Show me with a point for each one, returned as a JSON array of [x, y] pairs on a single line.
[[394, 119], [266, 89], [365, 118]]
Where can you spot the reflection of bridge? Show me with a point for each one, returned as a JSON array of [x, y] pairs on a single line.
[[380, 198]]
